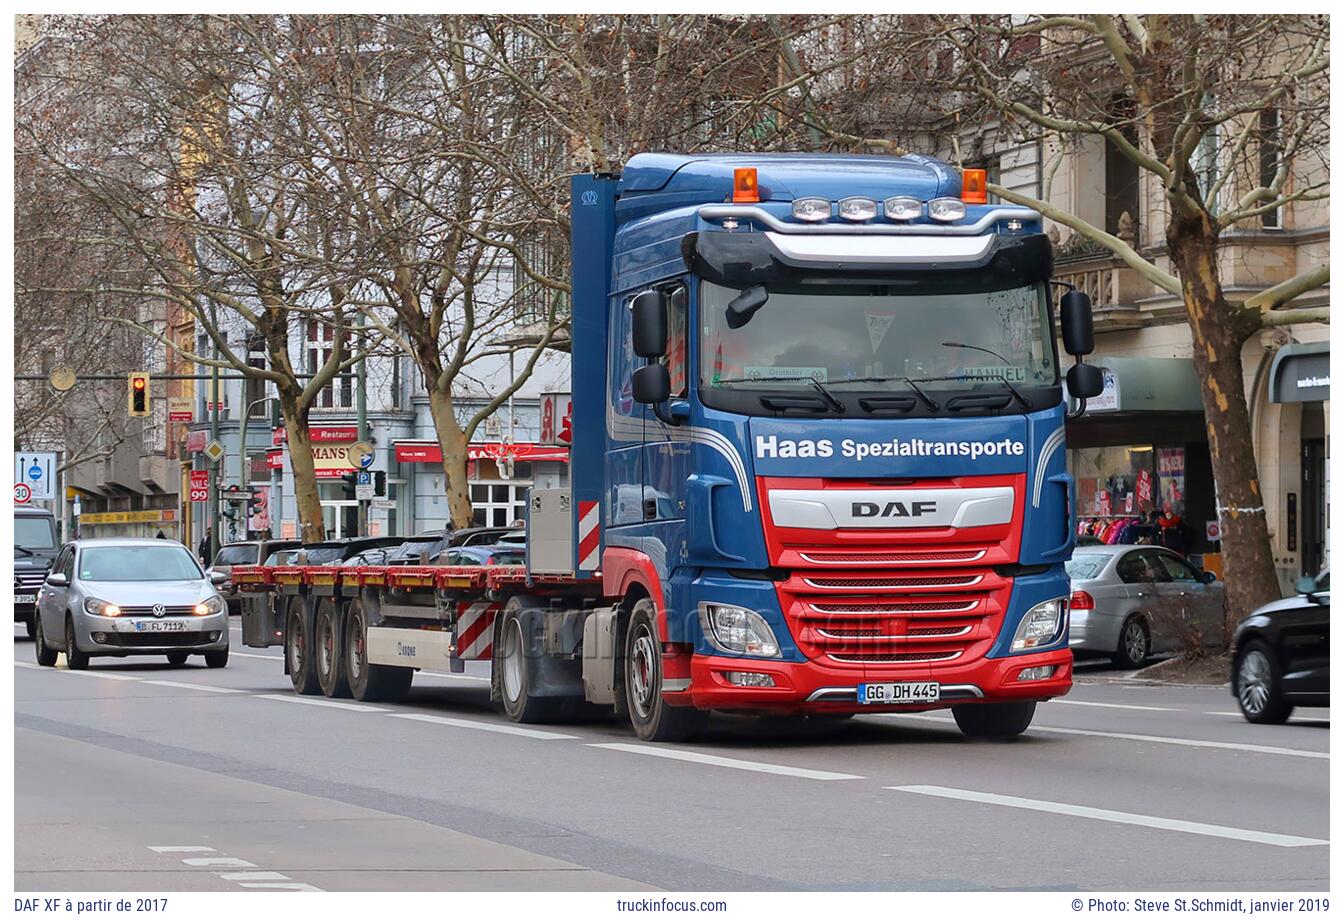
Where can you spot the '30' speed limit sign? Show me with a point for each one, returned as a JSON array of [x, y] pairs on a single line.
[[22, 493]]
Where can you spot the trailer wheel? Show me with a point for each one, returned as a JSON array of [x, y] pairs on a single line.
[[652, 718], [327, 657], [512, 669], [370, 683], [994, 720], [298, 650]]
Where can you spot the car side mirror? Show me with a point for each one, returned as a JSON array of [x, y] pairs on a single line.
[[217, 578], [1208, 577], [1307, 585], [1075, 323], [1084, 381], [58, 580], [651, 384], [648, 324]]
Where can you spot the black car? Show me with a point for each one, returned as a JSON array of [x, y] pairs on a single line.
[[336, 552], [1282, 654], [34, 549], [243, 552]]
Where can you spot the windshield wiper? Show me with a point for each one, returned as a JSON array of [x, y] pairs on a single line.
[[816, 384], [929, 401], [1017, 394], [24, 549]]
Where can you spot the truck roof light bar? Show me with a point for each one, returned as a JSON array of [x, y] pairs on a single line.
[[713, 212]]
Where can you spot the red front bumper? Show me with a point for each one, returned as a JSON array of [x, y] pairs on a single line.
[[813, 687]]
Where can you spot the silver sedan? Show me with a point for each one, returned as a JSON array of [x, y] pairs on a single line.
[[119, 597], [1131, 602]]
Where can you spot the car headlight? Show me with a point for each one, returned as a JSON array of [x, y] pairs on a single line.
[[738, 630], [210, 605], [1041, 625], [101, 608]]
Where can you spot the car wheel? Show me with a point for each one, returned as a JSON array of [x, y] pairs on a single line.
[[1259, 685], [217, 659], [177, 659], [652, 718], [994, 720], [370, 683], [74, 658], [1132, 650], [28, 624], [298, 651], [327, 651], [46, 655]]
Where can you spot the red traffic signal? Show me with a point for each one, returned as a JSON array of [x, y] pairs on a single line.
[[137, 394]]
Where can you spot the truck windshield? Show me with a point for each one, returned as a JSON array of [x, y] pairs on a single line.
[[34, 533], [944, 340]]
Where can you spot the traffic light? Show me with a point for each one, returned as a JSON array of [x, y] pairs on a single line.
[[253, 500], [137, 394], [379, 483], [350, 480]]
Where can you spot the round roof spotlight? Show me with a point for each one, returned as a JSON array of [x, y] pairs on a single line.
[[903, 208], [812, 210], [947, 209], [858, 209]]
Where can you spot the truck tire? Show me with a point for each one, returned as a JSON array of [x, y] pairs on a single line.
[[370, 683], [75, 660], [46, 655], [512, 668], [994, 720], [327, 658], [652, 718], [298, 650]]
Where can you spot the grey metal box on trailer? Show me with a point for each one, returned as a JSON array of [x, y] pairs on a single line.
[[550, 532]]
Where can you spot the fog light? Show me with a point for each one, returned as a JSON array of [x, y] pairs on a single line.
[[748, 679], [100, 637], [812, 210], [214, 635], [903, 208], [1038, 673], [946, 209], [858, 209]]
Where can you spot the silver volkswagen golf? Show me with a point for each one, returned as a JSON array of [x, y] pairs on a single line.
[[126, 596]]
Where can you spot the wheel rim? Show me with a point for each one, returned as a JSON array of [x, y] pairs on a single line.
[[295, 644], [513, 660], [356, 663], [1253, 682], [1135, 641], [643, 669], [326, 644]]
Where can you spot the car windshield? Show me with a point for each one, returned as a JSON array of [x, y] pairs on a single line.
[[34, 533], [321, 555], [504, 556], [832, 334], [138, 562], [1085, 565], [280, 557], [243, 554]]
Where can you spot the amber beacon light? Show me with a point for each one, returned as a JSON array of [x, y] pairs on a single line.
[[973, 187], [744, 185]]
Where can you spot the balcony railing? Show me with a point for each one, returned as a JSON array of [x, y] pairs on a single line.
[[1114, 288]]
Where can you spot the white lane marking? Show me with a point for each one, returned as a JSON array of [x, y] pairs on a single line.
[[224, 862], [486, 726], [729, 762], [280, 886], [1115, 817], [33, 667], [250, 655], [1117, 706], [253, 876], [1156, 739], [206, 687], [330, 704], [104, 675], [183, 849]]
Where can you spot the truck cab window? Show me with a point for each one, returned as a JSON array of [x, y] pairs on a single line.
[[675, 359]]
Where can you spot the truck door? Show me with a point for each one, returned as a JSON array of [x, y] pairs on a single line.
[[666, 460]]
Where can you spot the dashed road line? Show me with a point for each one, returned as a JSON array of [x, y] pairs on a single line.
[[1114, 817], [183, 849], [330, 704], [251, 875], [223, 862], [187, 686], [280, 886], [728, 762], [497, 727], [1117, 706]]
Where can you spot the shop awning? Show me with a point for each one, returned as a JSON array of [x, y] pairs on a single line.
[[1300, 373], [429, 451], [1146, 385]]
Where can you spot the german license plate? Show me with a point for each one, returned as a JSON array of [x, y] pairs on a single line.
[[887, 694], [158, 625], [25, 598]]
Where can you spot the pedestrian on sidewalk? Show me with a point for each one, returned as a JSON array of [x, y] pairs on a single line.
[[204, 550]]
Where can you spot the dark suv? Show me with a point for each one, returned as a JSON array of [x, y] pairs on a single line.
[[34, 549], [244, 552], [1282, 654]]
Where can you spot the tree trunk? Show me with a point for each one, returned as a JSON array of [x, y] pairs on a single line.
[[453, 444], [1218, 331], [306, 498]]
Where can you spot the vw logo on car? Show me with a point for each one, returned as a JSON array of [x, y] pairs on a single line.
[[158, 610]]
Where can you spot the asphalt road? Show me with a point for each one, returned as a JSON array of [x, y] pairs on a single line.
[[138, 776]]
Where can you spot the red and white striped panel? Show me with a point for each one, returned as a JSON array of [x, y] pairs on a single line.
[[590, 536], [476, 630]]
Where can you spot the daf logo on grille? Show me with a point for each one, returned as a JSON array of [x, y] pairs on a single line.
[[158, 610], [892, 509]]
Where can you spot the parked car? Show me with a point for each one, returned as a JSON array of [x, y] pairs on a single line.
[[130, 596], [34, 549], [409, 553], [335, 552], [281, 557], [478, 536], [243, 552], [1131, 602], [1281, 654], [498, 554]]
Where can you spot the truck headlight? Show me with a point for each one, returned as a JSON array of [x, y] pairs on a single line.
[[1041, 625], [208, 606], [101, 608], [738, 630]]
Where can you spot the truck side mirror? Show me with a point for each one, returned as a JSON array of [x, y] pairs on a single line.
[[1075, 323], [648, 324], [1084, 381], [651, 384]]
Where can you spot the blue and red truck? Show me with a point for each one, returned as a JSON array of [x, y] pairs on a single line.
[[817, 467]]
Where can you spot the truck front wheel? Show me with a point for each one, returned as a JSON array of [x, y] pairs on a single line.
[[650, 715], [370, 683], [994, 720]]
